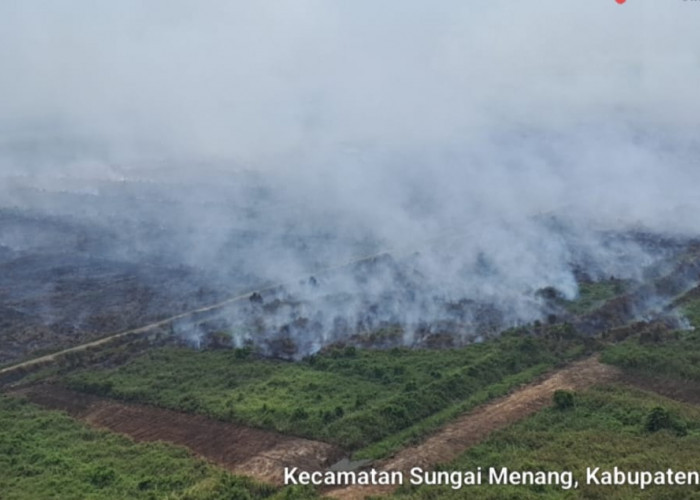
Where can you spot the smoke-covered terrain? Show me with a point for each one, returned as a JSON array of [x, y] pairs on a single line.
[[488, 157]]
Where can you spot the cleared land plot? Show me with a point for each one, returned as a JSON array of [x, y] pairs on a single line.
[[348, 397], [253, 452], [47, 454]]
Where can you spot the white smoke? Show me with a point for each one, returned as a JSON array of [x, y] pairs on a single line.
[[273, 139]]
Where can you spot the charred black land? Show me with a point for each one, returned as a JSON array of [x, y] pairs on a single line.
[[66, 280]]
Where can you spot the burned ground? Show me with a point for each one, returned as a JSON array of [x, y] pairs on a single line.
[[61, 285], [283, 315], [66, 280]]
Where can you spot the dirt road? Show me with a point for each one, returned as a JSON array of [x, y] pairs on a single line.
[[263, 454], [47, 359], [453, 439]]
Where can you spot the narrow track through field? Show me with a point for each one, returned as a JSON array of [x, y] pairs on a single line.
[[48, 359], [468, 430]]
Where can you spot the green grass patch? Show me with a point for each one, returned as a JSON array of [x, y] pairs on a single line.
[[416, 432], [677, 357], [46, 454], [605, 427], [674, 355], [594, 294], [347, 396]]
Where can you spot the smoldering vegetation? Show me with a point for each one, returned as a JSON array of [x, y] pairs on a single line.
[[385, 302], [385, 176], [140, 251], [60, 286]]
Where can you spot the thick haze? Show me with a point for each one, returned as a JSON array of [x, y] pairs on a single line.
[[359, 126]]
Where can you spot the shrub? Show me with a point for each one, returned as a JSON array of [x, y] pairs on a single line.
[[660, 418], [657, 419], [101, 476], [243, 353], [563, 399], [299, 414]]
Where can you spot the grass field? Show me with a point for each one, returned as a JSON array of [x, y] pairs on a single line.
[[46, 454], [353, 398], [370, 402], [673, 356], [605, 427]]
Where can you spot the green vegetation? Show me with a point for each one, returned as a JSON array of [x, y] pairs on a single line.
[[691, 310], [675, 355], [417, 431], [46, 454], [594, 294], [563, 399], [606, 427], [346, 396], [673, 358]]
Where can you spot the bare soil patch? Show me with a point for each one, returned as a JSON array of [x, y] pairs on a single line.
[[242, 450], [264, 454]]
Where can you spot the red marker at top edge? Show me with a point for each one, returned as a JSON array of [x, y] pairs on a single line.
[[620, 1]]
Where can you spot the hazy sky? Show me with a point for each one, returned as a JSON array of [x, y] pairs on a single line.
[[257, 82], [442, 112], [397, 120]]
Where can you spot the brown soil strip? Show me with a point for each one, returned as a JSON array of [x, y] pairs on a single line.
[[453, 439], [242, 450], [264, 455]]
